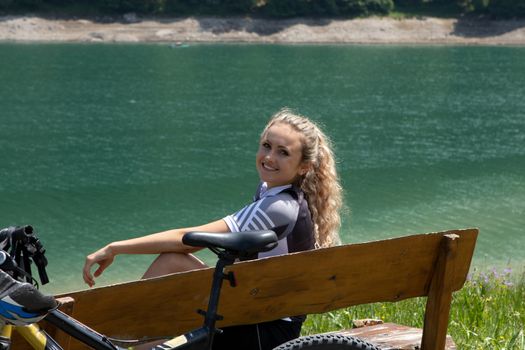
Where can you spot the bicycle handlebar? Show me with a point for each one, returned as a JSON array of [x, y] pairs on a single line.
[[24, 246]]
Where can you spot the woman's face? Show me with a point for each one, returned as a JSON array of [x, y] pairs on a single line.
[[279, 158]]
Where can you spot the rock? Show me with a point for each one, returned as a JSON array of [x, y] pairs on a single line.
[[131, 17], [97, 35], [366, 322]]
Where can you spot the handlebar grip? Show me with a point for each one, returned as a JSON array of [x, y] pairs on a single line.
[[24, 245], [5, 235], [21, 233], [15, 233], [6, 263]]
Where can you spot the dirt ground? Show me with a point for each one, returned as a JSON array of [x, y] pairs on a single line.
[[131, 28]]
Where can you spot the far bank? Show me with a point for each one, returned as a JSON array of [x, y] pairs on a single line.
[[374, 30]]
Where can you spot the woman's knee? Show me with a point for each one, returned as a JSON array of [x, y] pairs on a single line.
[[167, 263]]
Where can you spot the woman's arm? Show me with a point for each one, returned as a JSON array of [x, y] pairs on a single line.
[[156, 243], [167, 241]]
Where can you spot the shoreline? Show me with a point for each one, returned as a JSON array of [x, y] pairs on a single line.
[[374, 30]]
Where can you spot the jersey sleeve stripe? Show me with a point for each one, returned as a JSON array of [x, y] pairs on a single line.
[[260, 215], [238, 215], [246, 214], [232, 223], [259, 223], [266, 219]]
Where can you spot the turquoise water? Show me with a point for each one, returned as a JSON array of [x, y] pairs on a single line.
[[106, 142]]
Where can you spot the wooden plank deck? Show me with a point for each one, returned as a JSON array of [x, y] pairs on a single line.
[[391, 336]]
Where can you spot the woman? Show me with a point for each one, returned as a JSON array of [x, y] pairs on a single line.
[[299, 198]]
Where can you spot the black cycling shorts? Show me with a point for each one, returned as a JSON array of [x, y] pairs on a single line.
[[260, 336]]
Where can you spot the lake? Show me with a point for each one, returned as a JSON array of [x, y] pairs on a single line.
[[106, 142]]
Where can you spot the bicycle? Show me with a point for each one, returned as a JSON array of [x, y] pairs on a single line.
[[228, 247]]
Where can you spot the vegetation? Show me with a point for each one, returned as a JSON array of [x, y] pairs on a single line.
[[266, 8], [487, 313], [272, 8], [495, 8]]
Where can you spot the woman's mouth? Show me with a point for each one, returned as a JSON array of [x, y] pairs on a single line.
[[268, 167]]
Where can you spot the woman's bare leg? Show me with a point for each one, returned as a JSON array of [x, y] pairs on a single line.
[[167, 263]]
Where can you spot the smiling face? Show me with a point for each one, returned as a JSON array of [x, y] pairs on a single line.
[[279, 158]]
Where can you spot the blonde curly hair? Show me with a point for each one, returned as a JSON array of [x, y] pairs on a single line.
[[320, 184]]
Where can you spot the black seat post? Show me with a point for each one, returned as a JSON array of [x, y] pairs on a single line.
[[228, 247], [211, 315]]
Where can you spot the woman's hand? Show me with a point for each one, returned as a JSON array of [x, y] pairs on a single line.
[[103, 258]]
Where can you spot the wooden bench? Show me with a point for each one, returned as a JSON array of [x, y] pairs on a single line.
[[432, 265]]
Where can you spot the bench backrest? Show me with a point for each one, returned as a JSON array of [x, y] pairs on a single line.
[[433, 265]]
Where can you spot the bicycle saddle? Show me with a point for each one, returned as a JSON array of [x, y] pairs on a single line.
[[239, 243]]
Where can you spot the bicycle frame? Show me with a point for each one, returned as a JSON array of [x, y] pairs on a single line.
[[33, 334], [38, 339], [199, 339]]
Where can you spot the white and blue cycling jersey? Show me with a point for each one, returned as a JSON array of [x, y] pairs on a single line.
[[282, 209]]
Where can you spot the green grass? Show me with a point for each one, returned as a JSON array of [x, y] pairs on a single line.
[[487, 313]]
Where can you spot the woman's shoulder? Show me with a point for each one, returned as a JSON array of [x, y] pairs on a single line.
[[283, 202]]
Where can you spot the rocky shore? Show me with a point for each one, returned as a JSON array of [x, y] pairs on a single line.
[[131, 28]]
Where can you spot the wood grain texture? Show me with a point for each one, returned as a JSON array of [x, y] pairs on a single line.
[[393, 336], [440, 296]]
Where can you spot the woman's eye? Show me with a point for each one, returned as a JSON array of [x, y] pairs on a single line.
[[285, 152], [266, 145]]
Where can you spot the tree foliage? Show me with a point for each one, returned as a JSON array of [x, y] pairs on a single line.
[[495, 8], [267, 8], [491, 8]]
